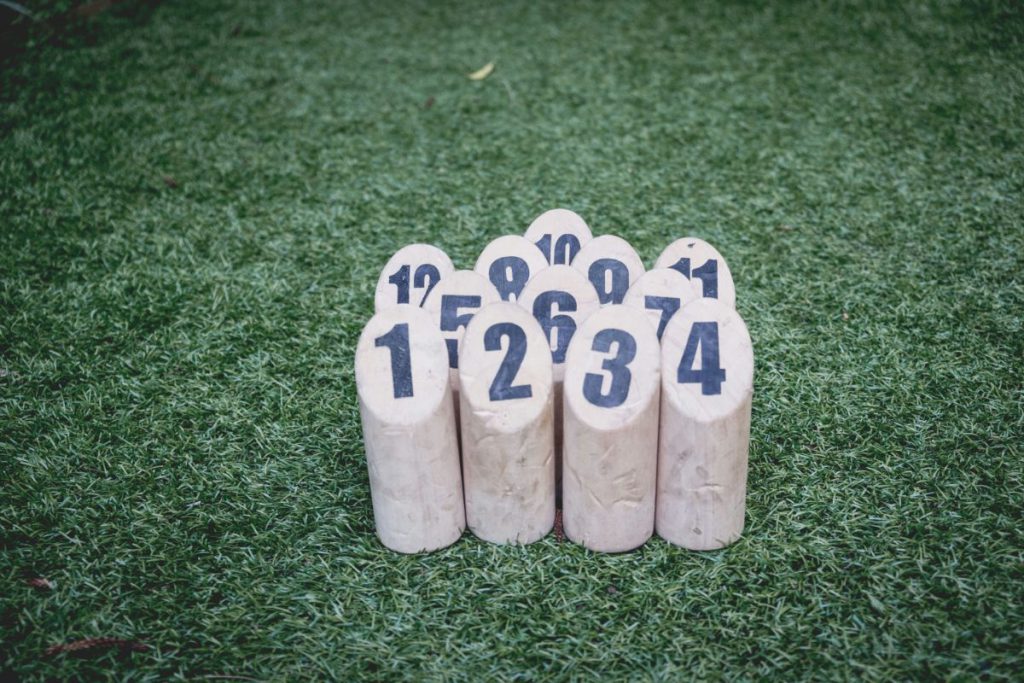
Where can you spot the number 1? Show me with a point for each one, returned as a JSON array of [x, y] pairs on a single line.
[[397, 342]]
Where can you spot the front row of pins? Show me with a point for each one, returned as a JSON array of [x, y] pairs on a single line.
[[654, 434]]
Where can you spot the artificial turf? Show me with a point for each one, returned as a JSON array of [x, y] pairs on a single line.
[[195, 206]]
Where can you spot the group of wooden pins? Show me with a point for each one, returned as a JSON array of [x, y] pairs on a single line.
[[557, 365]]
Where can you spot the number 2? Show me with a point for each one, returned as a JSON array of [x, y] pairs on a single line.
[[502, 388], [711, 374], [617, 366], [707, 274], [425, 272], [397, 342]]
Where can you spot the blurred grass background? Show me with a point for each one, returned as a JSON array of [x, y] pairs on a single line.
[[196, 200]]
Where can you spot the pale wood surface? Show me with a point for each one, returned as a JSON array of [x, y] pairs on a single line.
[[657, 293], [563, 231], [610, 452], [705, 436], [596, 253], [411, 449], [507, 443], [420, 261], [508, 263], [700, 254]]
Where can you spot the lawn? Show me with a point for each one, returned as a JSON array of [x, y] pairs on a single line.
[[196, 201]]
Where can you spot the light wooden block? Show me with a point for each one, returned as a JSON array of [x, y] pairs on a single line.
[[507, 419], [561, 299], [707, 384], [410, 275], [509, 262], [559, 234], [452, 304], [660, 293], [701, 263], [611, 395], [611, 265], [405, 403]]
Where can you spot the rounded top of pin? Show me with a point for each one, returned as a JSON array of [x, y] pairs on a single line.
[[559, 234], [706, 268], [707, 360], [401, 366], [509, 262], [409, 275], [612, 266], [660, 293], [505, 367], [560, 298], [612, 368]]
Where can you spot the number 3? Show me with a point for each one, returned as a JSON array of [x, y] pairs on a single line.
[[617, 367]]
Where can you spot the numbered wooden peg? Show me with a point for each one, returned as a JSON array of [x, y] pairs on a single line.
[[410, 275], [509, 262], [452, 304], [405, 403], [611, 265], [507, 415], [707, 377], [660, 293], [701, 263], [559, 234], [612, 389]]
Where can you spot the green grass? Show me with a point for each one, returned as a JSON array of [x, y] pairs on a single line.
[[194, 209]]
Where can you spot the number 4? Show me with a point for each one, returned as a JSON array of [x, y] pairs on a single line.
[[711, 374]]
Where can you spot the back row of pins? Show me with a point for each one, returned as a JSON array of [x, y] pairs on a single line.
[[557, 368]]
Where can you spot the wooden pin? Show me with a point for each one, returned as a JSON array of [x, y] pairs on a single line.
[[409, 276], [507, 418], [660, 292], [409, 431], [701, 263], [559, 234], [560, 298], [452, 304], [611, 265], [612, 388], [509, 262], [707, 376]]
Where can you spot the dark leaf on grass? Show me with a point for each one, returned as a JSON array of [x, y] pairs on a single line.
[[94, 8], [39, 582], [87, 646], [170, 182], [429, 103]]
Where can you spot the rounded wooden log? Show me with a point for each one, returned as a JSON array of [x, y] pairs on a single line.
[[612, 387], [507, 418], [701, 263], [560, 298], [612, 265], [707, 376], [559, 234], [409, 431], [660, 293], [452, 304], [509, 262], [409, 276]]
